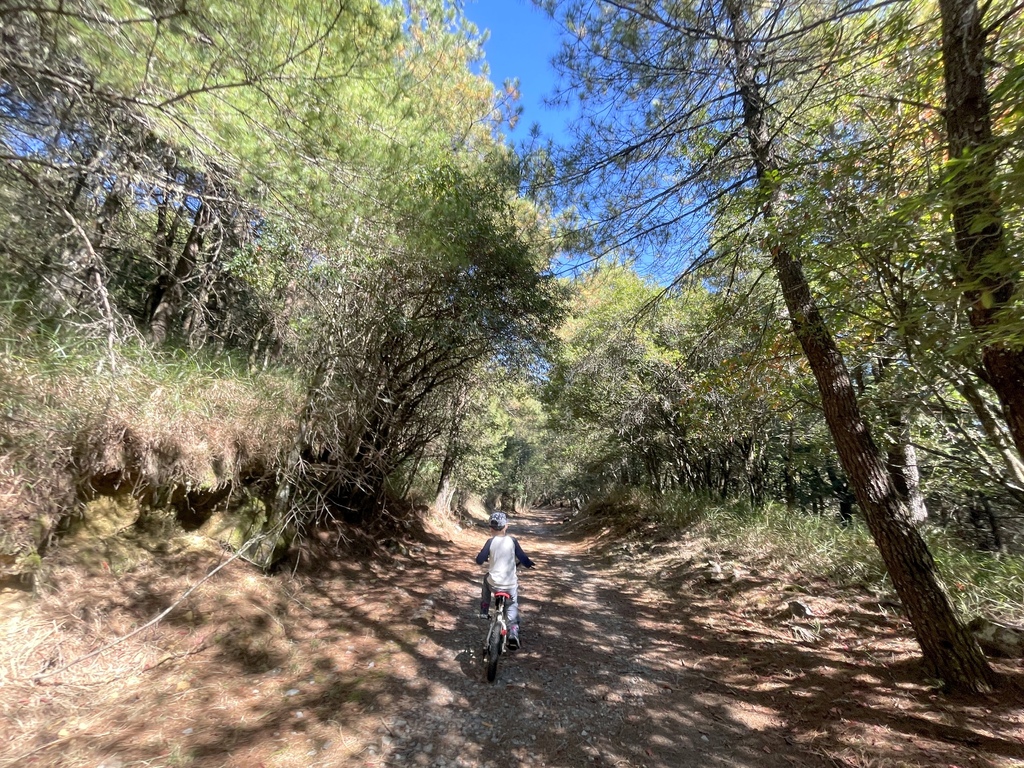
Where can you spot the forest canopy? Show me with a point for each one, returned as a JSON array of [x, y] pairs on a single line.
[[850, 167], [319, 191], [280, 257]]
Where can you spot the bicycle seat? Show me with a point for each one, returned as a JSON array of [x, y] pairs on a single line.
[[503, 594]]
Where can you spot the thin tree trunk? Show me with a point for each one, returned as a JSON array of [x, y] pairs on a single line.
[[998, 542], [950, 651], [841, 491], [901, 459], [445, 494], [195, 326], [789, 482], [445, 488], [901, 456], [169, 304], [997, 437], [163, 241], [989, 275]]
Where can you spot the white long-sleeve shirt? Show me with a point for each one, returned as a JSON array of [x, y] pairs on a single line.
[[504, 552]]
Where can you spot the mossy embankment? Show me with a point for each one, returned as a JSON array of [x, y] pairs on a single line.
[[100, 449]]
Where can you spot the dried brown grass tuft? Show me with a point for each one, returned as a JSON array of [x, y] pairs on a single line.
[[34, 488], [220, 430], [76, 430]]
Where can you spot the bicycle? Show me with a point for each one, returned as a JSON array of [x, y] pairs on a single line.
[[496, 640]]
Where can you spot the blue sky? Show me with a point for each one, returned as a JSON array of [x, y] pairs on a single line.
[[522, 42]]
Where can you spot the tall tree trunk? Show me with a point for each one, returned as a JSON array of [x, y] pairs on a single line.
[[950, 651], [998, 542], [163, 242], [840, 486], [901, 459], [989, 275], [901, 456], [788, 481], [195, 325]]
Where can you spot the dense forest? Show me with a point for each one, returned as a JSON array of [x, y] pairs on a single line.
[[278, 259]]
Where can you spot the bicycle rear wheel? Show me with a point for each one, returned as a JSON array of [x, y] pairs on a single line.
[[493, 651]]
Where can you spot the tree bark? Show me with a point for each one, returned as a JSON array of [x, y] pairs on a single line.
[[445, 488], [901, 456], [169, 303], [950, 652], [988, 274], [901, 459], [995, 434], [998, 542], [789, 484]]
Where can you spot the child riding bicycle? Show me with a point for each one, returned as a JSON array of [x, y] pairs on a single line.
[[504, 553]]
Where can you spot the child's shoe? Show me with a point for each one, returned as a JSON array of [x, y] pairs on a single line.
[[513, 637], [483, 610]]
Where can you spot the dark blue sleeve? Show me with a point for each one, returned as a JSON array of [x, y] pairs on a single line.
[[485, 552], [520, 555]]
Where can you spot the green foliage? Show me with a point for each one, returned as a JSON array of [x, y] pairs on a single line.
[[316, 188], [689, 388], [525, 465], [980, 583], [854, 168]]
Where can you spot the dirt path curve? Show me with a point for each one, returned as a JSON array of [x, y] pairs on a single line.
[[605, 675]]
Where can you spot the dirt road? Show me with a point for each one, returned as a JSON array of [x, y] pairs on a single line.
[[665, 655], [607, 676]]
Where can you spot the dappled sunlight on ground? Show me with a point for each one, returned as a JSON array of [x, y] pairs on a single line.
[[633, 656]]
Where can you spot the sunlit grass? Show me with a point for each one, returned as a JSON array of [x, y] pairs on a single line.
[[979, 582], [60, 380], [75, 409]]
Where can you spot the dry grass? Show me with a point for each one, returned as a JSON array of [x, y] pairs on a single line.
[[980, 583], [60, 699], [153, 423], [214, 432]]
